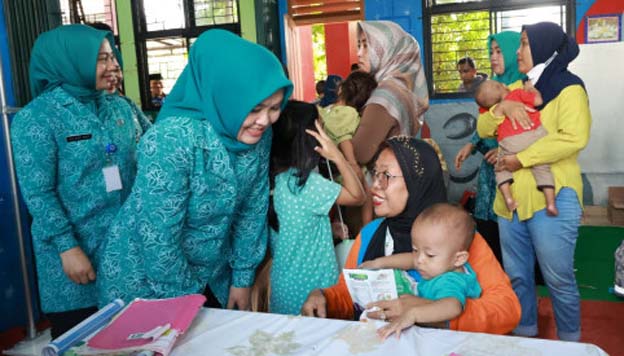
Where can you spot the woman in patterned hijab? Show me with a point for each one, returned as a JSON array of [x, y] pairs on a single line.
[[399, 102]]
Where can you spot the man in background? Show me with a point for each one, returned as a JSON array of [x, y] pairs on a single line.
[[157, 96], [469, 76]]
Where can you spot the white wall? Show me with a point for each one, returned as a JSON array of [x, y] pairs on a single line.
[[601, 66]]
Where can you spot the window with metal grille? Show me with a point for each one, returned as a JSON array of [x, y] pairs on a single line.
[[455, 29], [165, 30], [89, 11]]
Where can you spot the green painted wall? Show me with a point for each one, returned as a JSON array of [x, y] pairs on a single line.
[[248, 20], [128, 51]]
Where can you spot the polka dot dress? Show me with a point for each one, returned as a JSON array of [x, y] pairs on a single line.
[[303, 250]]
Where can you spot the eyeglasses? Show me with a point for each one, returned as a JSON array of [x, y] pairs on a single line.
[[383, 178], [104, 58]]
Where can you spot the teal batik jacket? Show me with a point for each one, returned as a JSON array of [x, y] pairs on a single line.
[[59, 148], [196, 217]]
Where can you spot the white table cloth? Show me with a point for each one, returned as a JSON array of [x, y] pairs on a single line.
[[228, 332]]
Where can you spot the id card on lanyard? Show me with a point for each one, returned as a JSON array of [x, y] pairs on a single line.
[[112, 177]]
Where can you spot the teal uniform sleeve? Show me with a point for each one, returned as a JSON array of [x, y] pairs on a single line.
[[36, 161], [250, 229]]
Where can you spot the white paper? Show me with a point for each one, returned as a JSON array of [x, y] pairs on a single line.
[[152, 334], [367, 286], [112, 178]]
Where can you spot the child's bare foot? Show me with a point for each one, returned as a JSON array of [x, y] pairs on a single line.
[[511, 204], [551, 210]]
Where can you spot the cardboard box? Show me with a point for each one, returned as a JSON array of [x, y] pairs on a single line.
[[615, 205]]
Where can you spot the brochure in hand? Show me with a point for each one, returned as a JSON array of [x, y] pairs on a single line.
[[367, 286]]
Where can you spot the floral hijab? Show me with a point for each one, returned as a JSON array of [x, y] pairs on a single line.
[[395, 62], [225, 78]]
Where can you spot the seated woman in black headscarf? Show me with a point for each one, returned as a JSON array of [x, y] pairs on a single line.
[[407, 180]]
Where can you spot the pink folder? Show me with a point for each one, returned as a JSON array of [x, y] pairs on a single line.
[[143, 315]]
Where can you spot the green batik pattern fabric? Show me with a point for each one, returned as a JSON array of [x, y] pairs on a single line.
[[486, 180], [63, 186], [303, 250], [197, 212], [196, 216]]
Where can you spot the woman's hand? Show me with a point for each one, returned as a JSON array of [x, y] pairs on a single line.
[[392, 309], [491, 156], [327, 147], [239, 298], [315, 305], [77, 266], [462, 155], [509, 163], [516, 112]]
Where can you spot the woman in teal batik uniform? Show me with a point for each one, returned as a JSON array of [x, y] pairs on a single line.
[[62, 141], [196, 218]]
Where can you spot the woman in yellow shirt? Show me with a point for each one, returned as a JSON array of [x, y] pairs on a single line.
[[544, 53]]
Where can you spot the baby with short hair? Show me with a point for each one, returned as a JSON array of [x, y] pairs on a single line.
[[441, 237], [513, 140]]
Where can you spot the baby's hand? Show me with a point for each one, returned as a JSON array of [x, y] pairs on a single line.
[[373, 264], [396, 326]]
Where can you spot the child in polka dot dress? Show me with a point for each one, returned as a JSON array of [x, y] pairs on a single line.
[[301, 237]]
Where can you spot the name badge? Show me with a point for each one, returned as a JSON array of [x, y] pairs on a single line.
[[78, 137], [112, 178]]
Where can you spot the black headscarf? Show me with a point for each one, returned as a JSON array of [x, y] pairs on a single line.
[[545, 38], [423, 176]]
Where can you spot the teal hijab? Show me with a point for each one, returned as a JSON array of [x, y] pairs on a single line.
[[509, 42], [224, 79], [67, 57]]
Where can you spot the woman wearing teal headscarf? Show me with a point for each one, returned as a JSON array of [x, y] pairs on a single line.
[[196, 219], [503, 60], [62, 141]]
